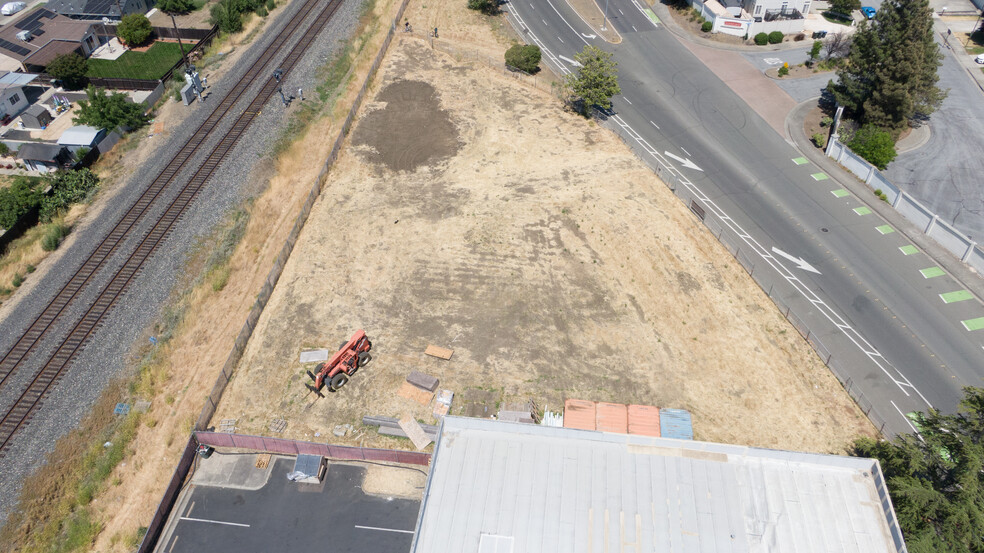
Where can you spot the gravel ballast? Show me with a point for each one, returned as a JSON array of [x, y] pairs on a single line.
[[105, 354]]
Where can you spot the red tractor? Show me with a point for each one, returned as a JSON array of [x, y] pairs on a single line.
[[350, 357]]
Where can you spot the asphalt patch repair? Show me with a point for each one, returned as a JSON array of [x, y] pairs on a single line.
[[547, 256], [409, 130]]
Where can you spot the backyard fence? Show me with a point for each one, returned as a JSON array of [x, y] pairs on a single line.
[[746, 257], [170, 497], [285, 446]]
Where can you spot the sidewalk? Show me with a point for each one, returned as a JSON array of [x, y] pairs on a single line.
[[794, 131], [941, 25]]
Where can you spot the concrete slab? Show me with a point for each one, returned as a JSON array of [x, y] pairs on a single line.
[[236, 471]]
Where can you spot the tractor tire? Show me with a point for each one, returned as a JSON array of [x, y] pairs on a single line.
[[364, 358], [338, 381]]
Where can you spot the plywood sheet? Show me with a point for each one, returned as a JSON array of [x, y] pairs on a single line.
[[410, 391], [413, 431], [435, 351]]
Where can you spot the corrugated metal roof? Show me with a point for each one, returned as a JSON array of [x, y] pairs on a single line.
[[527, 488], [676, 423], [13, 79], [611, 417], [644, 420], [579, 413], [81, 135]]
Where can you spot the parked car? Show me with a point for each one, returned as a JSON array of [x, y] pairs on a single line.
[[10, 8], [979, 59], [868, 12]]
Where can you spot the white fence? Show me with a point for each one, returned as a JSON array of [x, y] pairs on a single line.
[[919, 215]]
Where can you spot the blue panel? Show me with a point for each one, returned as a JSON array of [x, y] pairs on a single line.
[[675, 423]]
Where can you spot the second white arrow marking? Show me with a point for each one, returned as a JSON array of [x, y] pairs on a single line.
[[684, 161], [570, 61], [799, 261]]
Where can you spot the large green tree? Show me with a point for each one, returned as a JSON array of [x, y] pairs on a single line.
[[892, 71], [936, 480], [16, 200], [109, 111], [596, 80], [134, 29], [69, 69]]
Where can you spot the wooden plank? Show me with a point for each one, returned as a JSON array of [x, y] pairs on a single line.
[[413, 431], [435, 351]]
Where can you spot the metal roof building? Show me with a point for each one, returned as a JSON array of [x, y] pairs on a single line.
[[498, 487]]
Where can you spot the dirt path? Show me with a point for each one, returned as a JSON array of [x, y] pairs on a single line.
[[471, 212]]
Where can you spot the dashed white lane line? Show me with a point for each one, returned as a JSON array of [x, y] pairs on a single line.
[[215, 522], [544, 22], [620, 11], [684, 150], [627, 100], [561, 40], [654, 124], [565, 22], [634, 29], [384, 529]]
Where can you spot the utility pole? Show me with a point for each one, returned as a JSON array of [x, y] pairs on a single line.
[[605, 22]]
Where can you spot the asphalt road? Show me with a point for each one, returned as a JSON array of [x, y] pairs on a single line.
[[885, 324], [284, 516]]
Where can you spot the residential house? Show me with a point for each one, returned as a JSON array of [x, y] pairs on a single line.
[[13, 100], [750, 17], [99, 9], [44, 35], [43, 157]]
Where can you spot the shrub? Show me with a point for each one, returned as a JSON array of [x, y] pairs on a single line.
[[30, 269], [488, 7], [262, 11], [81, 153], [800, 37], [67, 188], [826, 121], [784, 70], [18, 280], [524, 57], [53, 237], [271, 5], [16, 200], [225, 14], [874, 145], [819, 139], [69, 69], [706, 26], [4, 149], [775, 37], [134, 29], [761, 39]]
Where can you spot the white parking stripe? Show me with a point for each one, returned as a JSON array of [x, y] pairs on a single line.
[[384, 529], [215, 522]]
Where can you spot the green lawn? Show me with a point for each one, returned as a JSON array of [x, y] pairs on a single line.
[[151, 64], [836, 18]]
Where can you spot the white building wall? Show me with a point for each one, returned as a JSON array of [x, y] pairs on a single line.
[[13, 102]]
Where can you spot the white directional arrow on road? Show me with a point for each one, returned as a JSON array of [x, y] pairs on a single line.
[[588, 36], [575, 63], [802, 264], [686, 162]]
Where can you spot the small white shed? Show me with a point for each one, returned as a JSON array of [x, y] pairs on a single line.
[[81, 136]]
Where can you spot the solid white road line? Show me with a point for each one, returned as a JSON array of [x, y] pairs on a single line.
[[384, 529], [568, 24], [215, 522], [906, 419]]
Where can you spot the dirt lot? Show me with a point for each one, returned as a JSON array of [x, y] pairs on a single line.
[[473, 213]]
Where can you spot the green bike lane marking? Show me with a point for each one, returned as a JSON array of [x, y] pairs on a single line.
[[840, 193], [885, 229], [932, 272], [800, 160], [909, 249], [955, 296], [649, 13], [819, 176], [974, 324], [863, 210]]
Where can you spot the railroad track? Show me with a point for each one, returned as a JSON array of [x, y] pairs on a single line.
[[98, 258], [28, 402]]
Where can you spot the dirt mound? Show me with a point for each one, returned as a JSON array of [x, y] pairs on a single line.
[[411, 129]]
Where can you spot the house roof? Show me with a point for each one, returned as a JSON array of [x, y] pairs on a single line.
[[81, 135], [88, 8], [39, 152], [508, 487], [36, 109], [45, 26], [16, 80], [50, 51]]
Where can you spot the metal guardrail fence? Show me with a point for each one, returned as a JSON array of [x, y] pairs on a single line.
[[286, 446]]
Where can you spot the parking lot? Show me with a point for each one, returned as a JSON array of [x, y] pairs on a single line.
[[231, 506]]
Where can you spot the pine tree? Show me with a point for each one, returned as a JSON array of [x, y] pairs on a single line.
[[892, 74]]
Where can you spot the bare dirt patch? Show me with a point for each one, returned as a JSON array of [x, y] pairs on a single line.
[[395, 481], [410, 130], [550, 259]]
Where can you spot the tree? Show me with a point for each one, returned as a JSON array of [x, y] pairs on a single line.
[[596, 80], [524, 57], [109, 111], [845, 7], [815, 51], [70, 69], [836, 45], [488, 7], [892, 71], [936, 480], [873, 144], [173, 8], [134, 29], [225, 14], [67, 188], [16, 200]]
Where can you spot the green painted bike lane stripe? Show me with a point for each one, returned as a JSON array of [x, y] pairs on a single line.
[[649, 13], [885, 229], [974, 324], [932, 272], [840, 193], [955, 296], [819, 176], [863, 210], [800, 160], [909, 249]]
